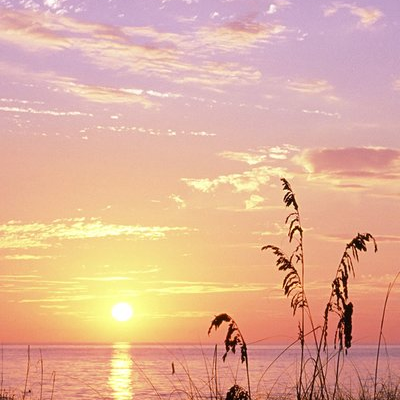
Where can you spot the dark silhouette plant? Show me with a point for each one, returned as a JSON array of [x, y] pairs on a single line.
[[237, 393], [339, 300], [293, 264], [294, 287], [293, 282], [233, 339]]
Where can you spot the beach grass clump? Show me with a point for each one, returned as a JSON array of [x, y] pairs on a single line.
[[233, 339], [4, 395], [311, 383]]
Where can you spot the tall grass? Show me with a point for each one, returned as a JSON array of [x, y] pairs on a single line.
[[311, 382], [339, 304], [233, 339]]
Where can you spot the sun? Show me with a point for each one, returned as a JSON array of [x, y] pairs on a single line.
[[122, 312]]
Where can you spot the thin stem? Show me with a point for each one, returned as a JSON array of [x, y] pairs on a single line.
[[2, 371], [41, 375], [248, 375], [337, 374], [302, 310], [381, 332], [215, 371], [27, 372], [53, 384], [244, 346]]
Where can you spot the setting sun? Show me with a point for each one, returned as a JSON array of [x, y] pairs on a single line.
[[122, 312]]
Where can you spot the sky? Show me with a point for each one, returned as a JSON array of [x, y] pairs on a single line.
[[142, 145]]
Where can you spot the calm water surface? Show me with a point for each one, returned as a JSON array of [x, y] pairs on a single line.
[[123, 371]]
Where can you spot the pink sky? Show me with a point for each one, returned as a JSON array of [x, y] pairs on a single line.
[[141, 149]]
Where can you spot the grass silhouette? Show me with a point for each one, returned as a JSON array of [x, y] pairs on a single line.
[[311, 382]]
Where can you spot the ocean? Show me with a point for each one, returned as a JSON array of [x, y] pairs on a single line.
[[123, 371]]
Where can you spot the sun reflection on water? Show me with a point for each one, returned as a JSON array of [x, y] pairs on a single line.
[[120, 378]]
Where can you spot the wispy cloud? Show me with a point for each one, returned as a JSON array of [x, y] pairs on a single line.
[[32, 285], [344, 238], [124, 129], [239, 34], [54, 113], [68, 85], [282, 152], [104, 278], [54, 295], [103, 94], [316, 86], [185, 287], [248, 158], [15, 234], [179, 314], [142, 51], [278, 5], [254, 202], [247, 181], [27, 257], [178, 200], [261, 155], [217, 75], [58, 7], [367, 16], [323, 113]]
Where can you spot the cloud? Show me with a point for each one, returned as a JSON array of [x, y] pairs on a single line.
[[367, 16], [61, 299], [59, 7], [272, 9], [180, 314], [353, 162], [103, 94], [92, 93], [54, 113], [178, 200], [137, 50], [55, 5], [33, 285], [261, 155], [277, 5], [145, 131], [346, 238], [18, 101], [253, 203], [214, 75], [29, 257], [34, 289], [248, 181], [200, 133], [323, 113], [239, 34], [248, 158], [17, 235], [184, 287], [277, 230], [281, 152], [104, 279], [316, 86], [33, 30]]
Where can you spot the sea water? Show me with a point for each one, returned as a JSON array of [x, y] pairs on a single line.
[[123, 371]]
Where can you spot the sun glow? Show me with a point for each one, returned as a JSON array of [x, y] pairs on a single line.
[[122, 312]]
